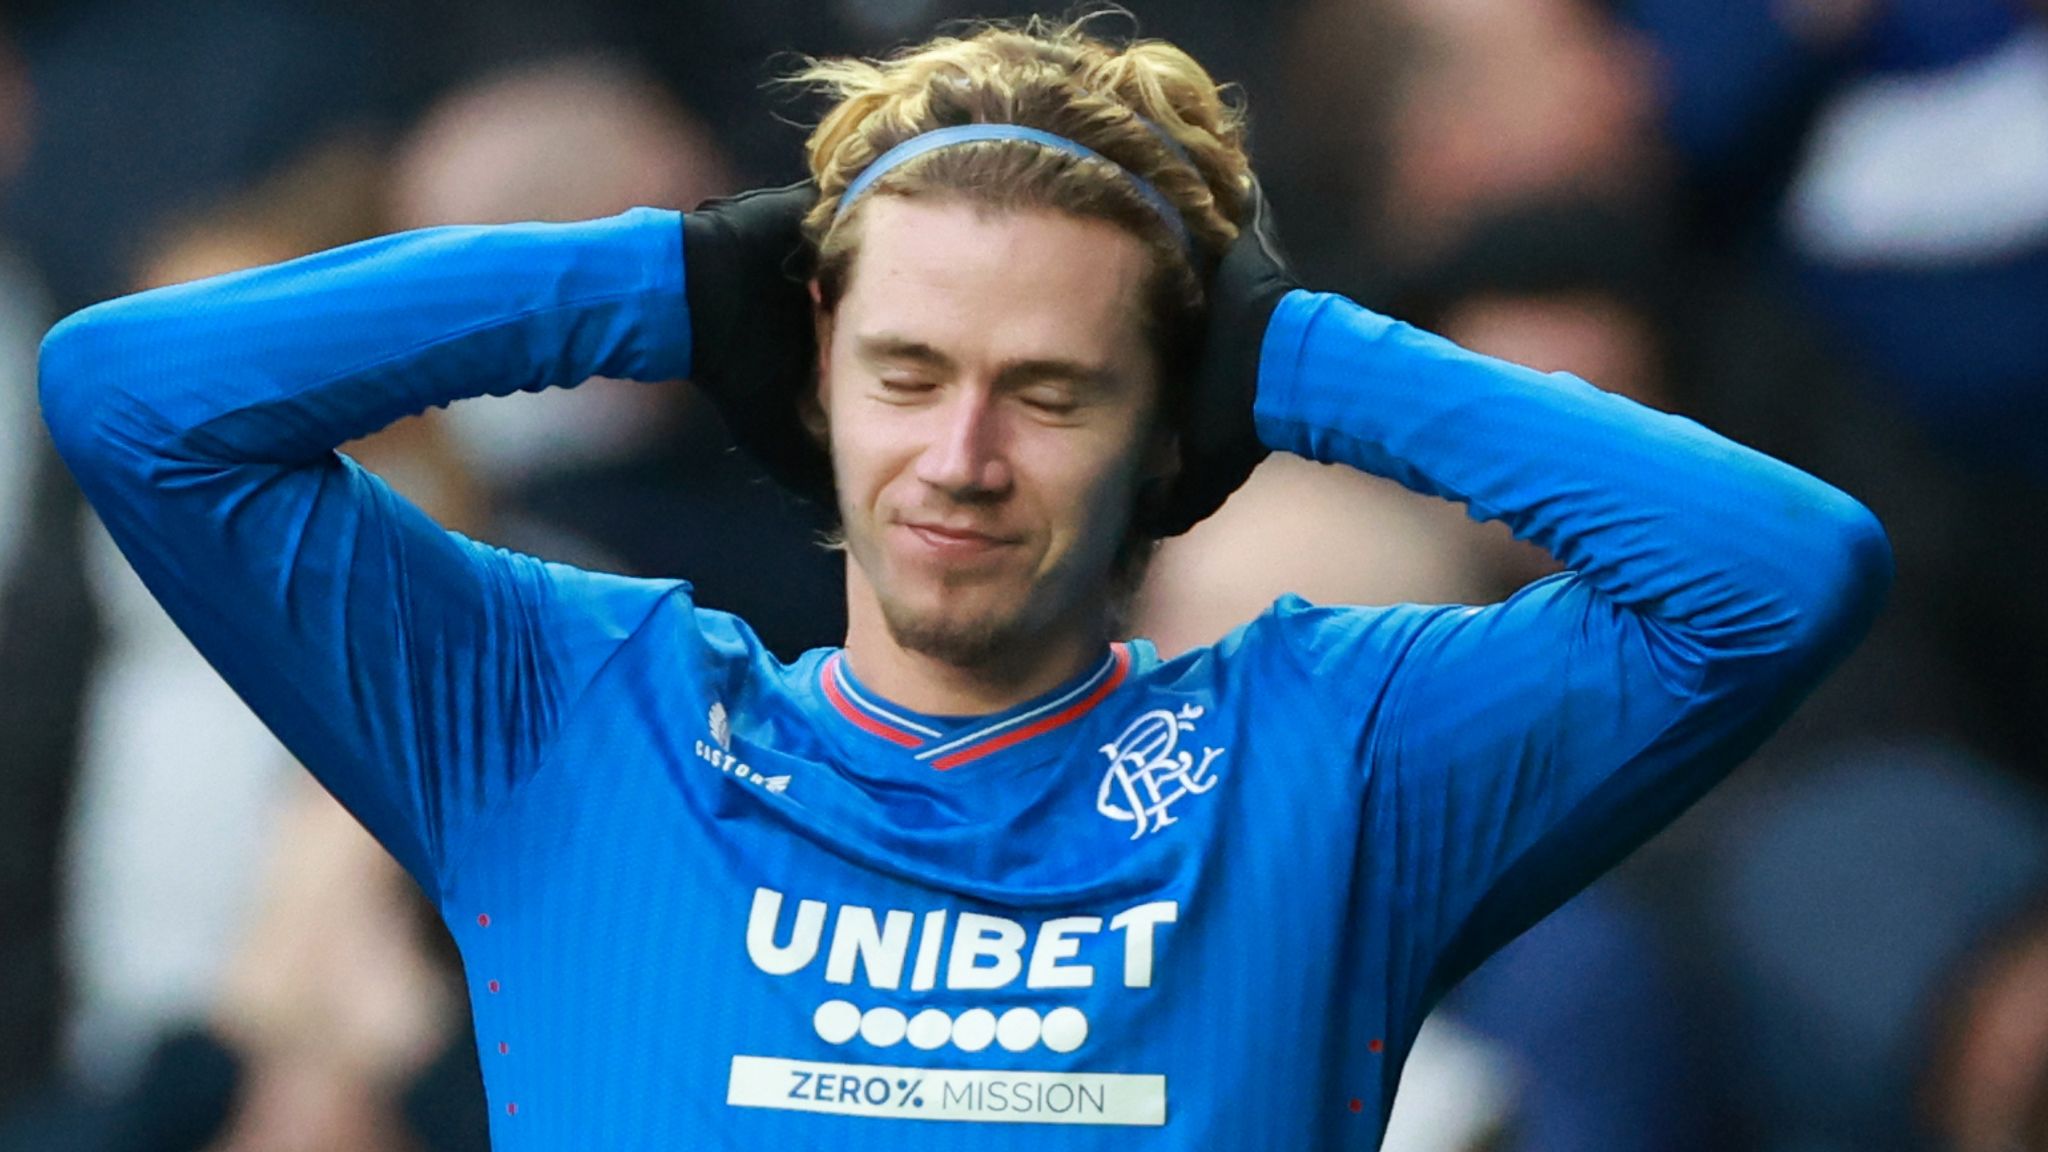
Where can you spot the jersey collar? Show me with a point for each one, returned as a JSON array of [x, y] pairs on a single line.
[[944, 743]]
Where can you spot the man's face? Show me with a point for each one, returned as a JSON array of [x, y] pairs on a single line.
[[989, 394]]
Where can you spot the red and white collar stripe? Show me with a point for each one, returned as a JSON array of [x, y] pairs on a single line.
[[941, 751]]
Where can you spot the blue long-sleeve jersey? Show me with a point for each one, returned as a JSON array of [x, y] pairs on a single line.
[[705, 899]]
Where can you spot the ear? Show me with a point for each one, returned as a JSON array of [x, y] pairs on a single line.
[[811, 406], [821, 318]]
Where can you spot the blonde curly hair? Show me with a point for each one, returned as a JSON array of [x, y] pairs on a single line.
[[1116, 99]]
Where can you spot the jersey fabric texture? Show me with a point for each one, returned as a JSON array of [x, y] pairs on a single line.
[[706, 899]]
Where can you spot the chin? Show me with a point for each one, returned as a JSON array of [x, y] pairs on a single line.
[[965, 639]]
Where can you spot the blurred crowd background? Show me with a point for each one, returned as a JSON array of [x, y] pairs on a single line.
[[1818, 226]]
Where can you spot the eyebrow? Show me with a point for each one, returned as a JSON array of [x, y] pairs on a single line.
[[903, 349]]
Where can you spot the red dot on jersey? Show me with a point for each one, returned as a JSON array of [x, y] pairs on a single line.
[[483, 920], [493, 986], [1357, 1105], [1371, 1046]]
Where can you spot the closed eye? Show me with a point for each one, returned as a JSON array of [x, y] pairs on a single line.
[[905, 387], [1051, 399]]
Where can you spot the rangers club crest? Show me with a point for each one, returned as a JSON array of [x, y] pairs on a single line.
[[1149, 772]]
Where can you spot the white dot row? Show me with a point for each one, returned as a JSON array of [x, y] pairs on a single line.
[[1017, 1030]]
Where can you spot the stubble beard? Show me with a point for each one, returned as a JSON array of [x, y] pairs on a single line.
[[977, 641]]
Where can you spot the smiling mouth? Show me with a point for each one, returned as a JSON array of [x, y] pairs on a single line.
[[957, 542]]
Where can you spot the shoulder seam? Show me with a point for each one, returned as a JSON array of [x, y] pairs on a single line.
[[1335, 707]]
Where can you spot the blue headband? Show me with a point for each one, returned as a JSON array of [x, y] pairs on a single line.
[[967, 133]]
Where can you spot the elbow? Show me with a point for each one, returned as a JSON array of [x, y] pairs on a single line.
[[77, 371], [1870, 550], [1844, 576]]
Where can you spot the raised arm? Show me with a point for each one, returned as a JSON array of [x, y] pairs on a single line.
[[420, 675], [1516, 751], [1512, 753]]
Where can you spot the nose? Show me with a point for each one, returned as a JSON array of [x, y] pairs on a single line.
[[964, 457]]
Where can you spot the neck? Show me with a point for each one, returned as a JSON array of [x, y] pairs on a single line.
[[1052, 656]]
